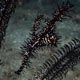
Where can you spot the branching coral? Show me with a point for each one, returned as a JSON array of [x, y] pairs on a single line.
[[58, 65], [46, 36], [6, 8]]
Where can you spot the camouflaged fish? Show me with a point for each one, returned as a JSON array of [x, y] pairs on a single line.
[[46, 36]]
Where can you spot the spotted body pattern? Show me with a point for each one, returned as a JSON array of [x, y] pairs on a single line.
[[6, 8], [58, 64], [44, 37], [36, 25]]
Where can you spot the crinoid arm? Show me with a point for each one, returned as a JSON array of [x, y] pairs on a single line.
[[7, 7], [65, 58]]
